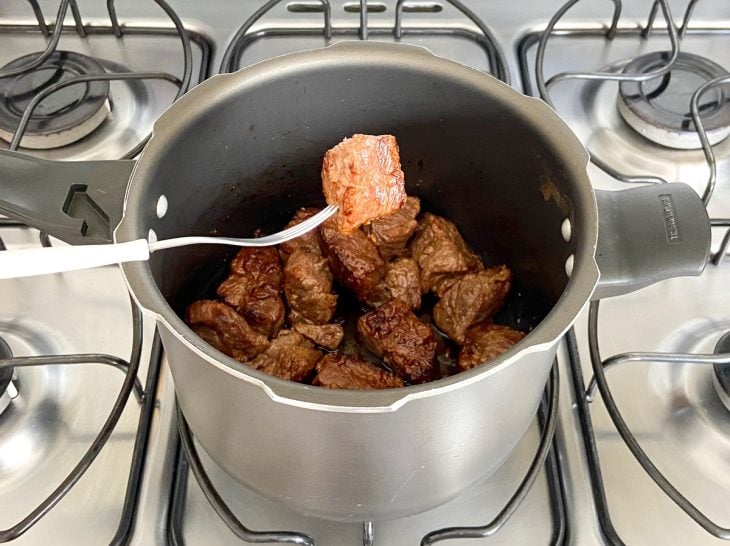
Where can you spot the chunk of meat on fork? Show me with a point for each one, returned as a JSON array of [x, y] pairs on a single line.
[[362, 175]]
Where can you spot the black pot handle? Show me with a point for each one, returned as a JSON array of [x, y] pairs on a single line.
[[80, 202], [649, 234]]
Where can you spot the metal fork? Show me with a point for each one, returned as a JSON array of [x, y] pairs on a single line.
[[41, 261]]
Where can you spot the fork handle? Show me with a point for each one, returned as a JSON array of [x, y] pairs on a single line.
[[40, 261]]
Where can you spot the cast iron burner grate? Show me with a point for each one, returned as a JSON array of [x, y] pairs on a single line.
[[659, 108], [651, 72], [651, 75], [247, 35], [61, 118], [75, 87], [547, 456], [720, 360], [130, 385]]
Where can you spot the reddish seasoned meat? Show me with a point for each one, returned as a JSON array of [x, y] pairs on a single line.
[[290, 356], [354, 262], [308, 288], [441, 252], [336, 371], [402, 281], [362, 176], [474, 297], [394, 334], [391, 233], [328, 336], [309, 241], [224, 329], [485, 341], [254, 289]]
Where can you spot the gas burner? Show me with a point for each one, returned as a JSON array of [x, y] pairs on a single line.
[[659, 109], [64, 117], [7, 388], [722, 371]]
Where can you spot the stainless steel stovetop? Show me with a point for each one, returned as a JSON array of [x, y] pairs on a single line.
[[140, 489]]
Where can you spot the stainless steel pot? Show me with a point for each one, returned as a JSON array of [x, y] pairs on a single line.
[[243, 148]]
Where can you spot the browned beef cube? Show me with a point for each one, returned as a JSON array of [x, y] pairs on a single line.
[[308, 288], [485, 341], [223, 328], [254, 289], [260, 264], [441, 252], [290, 356], [472, 298], [391, 233], [396, 335], [309, 241], [328, 336], [402, 281], [337, 371], [363, 177], [355, 263], [260, 304]]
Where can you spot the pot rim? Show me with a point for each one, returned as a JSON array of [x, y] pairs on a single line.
[[582, 282]]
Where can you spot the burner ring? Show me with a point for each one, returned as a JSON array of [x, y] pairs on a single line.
[[659, 109], [63, 117]]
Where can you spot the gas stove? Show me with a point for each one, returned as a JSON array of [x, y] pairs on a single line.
[[91, 449]]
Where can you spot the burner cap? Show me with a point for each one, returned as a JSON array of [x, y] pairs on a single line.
[[722, 371], [659, 109], [63, 117]]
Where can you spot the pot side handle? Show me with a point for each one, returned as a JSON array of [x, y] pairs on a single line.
[[649, 234], [79, 202]]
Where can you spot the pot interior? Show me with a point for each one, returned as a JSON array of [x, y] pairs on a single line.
[[247, 150]]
